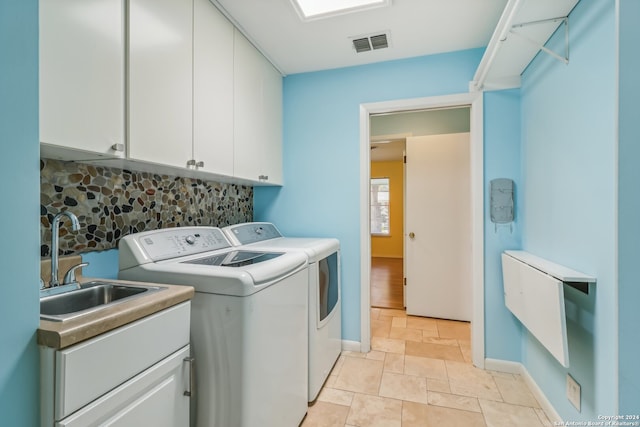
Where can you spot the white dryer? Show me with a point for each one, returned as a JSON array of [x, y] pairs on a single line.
[[325, 326], [248, 322]]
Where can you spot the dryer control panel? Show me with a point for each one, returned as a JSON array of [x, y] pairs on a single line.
[[178, 242], [252, 232]]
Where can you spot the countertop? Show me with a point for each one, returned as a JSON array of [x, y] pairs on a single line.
[[60, 335]]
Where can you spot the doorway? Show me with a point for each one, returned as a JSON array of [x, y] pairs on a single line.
[[387, 283], [387, 223], [417, 163], [474, 101]]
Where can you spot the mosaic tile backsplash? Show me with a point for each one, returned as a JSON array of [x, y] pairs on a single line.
[[111, 203]]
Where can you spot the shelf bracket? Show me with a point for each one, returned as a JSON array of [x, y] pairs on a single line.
[[564, 20]]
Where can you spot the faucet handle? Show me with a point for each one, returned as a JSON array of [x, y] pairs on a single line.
[[70, 276]]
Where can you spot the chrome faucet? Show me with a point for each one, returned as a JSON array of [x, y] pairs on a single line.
[[55, 230]]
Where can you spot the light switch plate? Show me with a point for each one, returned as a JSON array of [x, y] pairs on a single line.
[[573, 392]]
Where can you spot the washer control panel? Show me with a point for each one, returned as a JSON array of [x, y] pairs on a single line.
[[178, 242], [252, 232]]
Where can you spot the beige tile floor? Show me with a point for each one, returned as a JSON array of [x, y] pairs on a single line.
[[419, 373]]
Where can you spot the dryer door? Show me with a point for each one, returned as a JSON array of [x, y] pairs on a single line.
[[328, 287]]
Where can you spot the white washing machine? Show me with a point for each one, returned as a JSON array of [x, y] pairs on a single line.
[[325, 326], [248, 322]]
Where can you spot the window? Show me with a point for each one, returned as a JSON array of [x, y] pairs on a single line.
[[380, 206], [313, 9]]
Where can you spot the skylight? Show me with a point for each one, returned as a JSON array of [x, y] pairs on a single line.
[[315, 9]]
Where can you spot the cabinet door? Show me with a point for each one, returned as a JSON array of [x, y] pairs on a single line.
[[212, 89], [257, 115], [272, 116], [156, 397], [121, 354], [82, 75], [160, 81]]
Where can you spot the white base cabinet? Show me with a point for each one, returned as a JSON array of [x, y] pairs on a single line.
[[153, 398], [138, 374]]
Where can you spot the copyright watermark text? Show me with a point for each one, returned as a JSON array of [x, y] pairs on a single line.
[[605, 421]]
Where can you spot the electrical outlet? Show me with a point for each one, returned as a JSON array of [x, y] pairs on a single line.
[[573, 392]]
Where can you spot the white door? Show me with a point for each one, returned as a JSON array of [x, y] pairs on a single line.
[[438, 227]]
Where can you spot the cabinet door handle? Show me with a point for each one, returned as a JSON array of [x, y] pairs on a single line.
[[117, 147], [200, 164], [263, 177], [191, 164], [192, 375]]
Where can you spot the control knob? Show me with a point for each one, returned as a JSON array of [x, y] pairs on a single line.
[[190, 239]]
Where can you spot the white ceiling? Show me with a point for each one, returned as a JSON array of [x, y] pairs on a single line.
[[416, 27]]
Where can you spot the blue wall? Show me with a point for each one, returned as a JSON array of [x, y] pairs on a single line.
[[321, 151], [501, 160], [565, 174], [101, 264], [19, 246], [569, 204], [321, 166], [629, 208]]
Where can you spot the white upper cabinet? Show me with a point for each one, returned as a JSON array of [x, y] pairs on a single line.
[[257, 115], [212, 89], [82, 76], [160, 81], [195, 93]]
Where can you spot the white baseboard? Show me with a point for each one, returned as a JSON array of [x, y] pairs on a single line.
[[503, 366], [518, 368], [548, 408], [351, 346]]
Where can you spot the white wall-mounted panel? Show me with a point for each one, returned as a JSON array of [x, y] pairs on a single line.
[[558, 271], [537, 300]]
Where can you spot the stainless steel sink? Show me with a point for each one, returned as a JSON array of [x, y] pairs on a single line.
[[89, 297]]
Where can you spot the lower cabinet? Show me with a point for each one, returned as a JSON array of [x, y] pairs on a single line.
[[155, 397], [136, 375]]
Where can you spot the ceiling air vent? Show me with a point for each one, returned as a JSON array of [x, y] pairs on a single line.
[[362, 45], [379, 41], [371, 42]]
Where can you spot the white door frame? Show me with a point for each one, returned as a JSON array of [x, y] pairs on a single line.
[[474, 100]]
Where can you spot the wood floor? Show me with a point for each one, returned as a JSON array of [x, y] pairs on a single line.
[[386, 283]]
